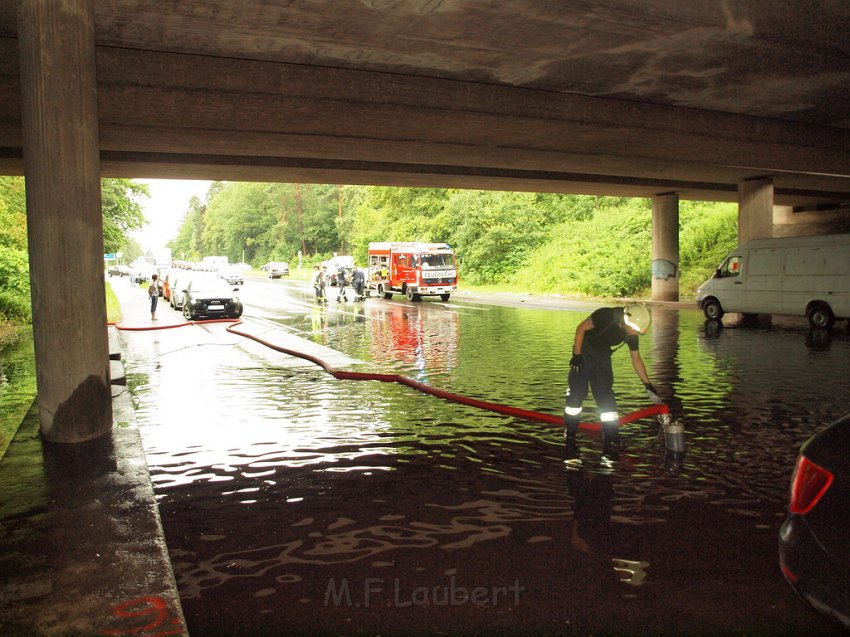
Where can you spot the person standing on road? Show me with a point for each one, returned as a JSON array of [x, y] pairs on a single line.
[[358, 282], [604, 329], [316, 281], [341, 282], [153, 293]]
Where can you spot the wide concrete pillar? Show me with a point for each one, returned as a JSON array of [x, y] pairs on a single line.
[[755, 209], [64, 223], [665, 247]]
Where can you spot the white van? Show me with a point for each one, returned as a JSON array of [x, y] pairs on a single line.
[[802, 276]]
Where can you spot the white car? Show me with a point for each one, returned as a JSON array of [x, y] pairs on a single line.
[[276, 269], [232, 275]]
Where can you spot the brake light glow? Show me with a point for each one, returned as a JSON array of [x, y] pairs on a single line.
[[808, 484]]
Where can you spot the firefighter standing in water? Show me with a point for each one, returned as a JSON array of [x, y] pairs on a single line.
[[604, 329], [341, 281]]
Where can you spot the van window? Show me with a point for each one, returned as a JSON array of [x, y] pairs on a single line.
[[730, 267]]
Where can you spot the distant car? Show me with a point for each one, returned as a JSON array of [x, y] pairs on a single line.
[[210, 298], [276, 269], [814, 553], [232, 276], [119, 270]]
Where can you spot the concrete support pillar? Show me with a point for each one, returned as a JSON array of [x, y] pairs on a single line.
[[755, 209], [665, 247], [64, 222]]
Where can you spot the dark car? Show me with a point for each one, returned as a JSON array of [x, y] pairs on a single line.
[[210, 298], [119, 270], [814, 552]]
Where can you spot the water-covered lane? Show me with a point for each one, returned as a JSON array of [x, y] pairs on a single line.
[[294, 503]]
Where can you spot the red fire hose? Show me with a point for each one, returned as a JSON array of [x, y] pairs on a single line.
[[523, 414]]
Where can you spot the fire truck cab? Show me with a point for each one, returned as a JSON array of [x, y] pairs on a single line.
[[413, 269]]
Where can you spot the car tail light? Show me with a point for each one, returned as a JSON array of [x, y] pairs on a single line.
[[808, 484]]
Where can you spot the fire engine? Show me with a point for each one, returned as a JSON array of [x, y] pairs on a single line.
[[413, 269]]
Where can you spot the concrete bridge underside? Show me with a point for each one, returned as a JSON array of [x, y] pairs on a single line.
[[713, 100]]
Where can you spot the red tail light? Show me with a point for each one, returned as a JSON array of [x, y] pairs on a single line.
[[808, 484]]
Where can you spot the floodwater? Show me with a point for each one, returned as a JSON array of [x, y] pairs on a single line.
[[17, 387], [295, 504]]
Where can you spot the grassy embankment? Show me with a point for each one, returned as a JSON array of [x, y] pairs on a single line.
[[16, 400]]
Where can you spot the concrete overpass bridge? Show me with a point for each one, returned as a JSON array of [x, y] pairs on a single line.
[[732, 100]]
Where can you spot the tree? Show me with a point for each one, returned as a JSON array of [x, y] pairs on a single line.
[[122, 211]]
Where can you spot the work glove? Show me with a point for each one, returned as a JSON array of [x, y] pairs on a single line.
[[652, 394], [576, 362]]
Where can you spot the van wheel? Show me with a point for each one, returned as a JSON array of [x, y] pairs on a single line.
[[712, 310], [382, 292], [820, 315]]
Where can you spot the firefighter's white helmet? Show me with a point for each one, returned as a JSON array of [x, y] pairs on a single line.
[[637, 317]]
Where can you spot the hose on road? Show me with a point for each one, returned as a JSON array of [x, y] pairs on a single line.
[[339, 374]]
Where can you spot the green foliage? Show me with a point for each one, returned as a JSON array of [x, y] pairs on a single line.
[[708, 232], [566, 244], [122, 211], [266, 221], [607, 254], [14, 271], [14, 261], [121, 214], [13, 213], [495, 232], [132, 250], [14, 308]]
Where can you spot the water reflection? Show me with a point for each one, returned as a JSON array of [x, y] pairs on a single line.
[[426, 340], [273, 478]]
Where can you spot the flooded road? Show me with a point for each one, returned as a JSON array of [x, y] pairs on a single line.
[[294, 503]]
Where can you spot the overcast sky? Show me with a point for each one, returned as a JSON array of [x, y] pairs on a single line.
[[166, 208]]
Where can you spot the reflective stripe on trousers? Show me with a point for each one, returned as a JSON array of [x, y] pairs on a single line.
[[597, 375]]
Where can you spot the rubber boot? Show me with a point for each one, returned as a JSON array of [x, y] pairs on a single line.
[[571, 451], [610, 441]]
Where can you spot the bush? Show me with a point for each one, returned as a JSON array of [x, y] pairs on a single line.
[[14, 308], [604, 256], [14, 271]]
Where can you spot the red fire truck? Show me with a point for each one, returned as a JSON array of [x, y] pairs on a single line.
[[413, 269]]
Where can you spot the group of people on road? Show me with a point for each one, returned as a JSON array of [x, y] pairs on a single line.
[[320, 281]]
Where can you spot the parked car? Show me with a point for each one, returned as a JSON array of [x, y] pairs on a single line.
[[232, 276], [276, 269], [210, 298], [814, 553], [180, 283], [166, 282]]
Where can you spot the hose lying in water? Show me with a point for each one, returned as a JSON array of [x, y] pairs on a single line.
[[516, 412]]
